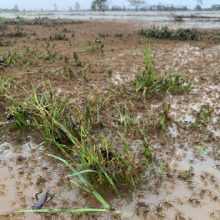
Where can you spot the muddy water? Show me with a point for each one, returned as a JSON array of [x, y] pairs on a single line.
[[195, 198], [26, 170]]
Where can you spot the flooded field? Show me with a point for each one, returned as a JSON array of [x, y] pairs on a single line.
[[138, 117], [198, 19]]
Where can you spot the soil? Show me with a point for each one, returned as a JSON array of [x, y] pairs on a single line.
[[186, 186]]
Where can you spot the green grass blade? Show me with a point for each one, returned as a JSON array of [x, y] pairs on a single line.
[[82, 210], [110, 181], [82, 172], [85, 182]]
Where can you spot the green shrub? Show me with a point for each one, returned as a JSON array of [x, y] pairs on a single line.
[[167, 33]]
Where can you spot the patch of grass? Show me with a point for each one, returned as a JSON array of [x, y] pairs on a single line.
[[66, 70], [58, 36], [2, 24], [95, 46], [103, 35], [150, 83], [202, 117], [12, 58], [17, 33], [164, 116], [46, 112], [91, 49], [71, 129], [171, 34], [186, 174], [77, 59], [4, 43], [47, 56], [4, 85]]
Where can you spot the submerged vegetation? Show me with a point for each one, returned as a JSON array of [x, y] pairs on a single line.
[[170, 34]]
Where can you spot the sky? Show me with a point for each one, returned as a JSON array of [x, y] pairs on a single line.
[[85, 4]]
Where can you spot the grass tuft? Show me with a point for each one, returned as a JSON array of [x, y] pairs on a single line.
[[71, 130], [4, 85], [150, 83]]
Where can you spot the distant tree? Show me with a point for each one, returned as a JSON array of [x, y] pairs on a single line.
[[55, 6], [16, 8], [116, 8], [198, 8], [77, 6], [100, 5], [70, 9], [215, 7], [136, 3]]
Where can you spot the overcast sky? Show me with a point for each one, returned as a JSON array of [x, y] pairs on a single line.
[[85, 4]]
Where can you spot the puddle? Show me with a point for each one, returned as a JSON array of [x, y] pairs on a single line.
[[26, 170], [174, 198]]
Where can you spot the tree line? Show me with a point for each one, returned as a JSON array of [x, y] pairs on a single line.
[[138, 5]]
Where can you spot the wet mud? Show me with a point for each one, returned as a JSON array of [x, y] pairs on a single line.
[[183, 180]]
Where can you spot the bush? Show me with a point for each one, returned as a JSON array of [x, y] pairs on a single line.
[[167, 33]]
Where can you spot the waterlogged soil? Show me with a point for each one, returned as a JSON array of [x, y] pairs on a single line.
[[184, 178]]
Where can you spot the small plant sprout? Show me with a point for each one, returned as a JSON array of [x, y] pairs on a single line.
[[161, 169], [164, 116], [202, 117], [4, 85]]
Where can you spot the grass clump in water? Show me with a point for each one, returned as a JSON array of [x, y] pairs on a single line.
[[203, 115], [150, 83], [83, 184], [170, 34], [71, 129], [164, 118], [46, 112]]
